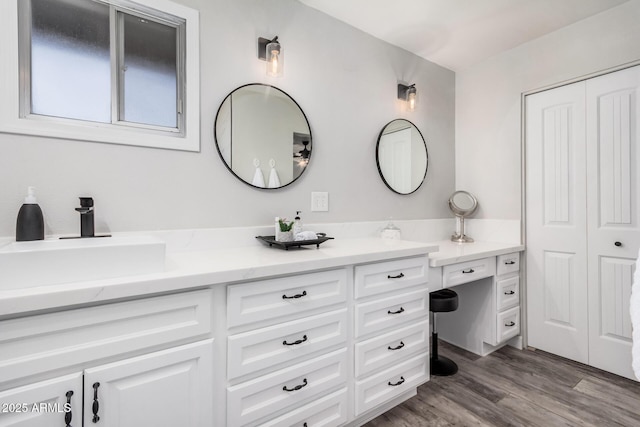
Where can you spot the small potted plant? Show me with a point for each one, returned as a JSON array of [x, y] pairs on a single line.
[[284, 232]]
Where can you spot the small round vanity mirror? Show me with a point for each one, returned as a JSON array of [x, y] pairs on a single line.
[[263, 136], [401, 156], [462, 204]]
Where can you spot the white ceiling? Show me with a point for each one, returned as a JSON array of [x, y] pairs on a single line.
[[459, 33]]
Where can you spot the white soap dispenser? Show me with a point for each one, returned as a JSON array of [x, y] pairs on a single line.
[[297, 223]]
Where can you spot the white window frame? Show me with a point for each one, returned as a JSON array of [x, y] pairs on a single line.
[[13, 120]]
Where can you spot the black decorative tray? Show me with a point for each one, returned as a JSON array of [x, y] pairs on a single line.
[[271, 240]]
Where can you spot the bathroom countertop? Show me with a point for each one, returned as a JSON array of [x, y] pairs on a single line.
[[452, 253], [185, 270]]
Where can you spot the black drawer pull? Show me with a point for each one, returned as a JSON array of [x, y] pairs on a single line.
[[471, 270], [296, 388], [96, 405], [398, 347], [510, 293], [399, 276], [618, 244], [396, 384], [510, 324], [304, 338], [303, 294], [68, 415], [510, 262], [396, 312]]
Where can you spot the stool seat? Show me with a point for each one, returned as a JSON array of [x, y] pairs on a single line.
[[443, 300]]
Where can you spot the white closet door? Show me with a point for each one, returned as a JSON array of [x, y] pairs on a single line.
[[556, 222], [613, 112]]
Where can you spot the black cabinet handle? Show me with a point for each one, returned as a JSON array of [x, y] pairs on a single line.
[[399, 276], [471, 270], [296, 388], [68, 415], [396, 384], [510, 262], [396, 312], [304, 338], [303, 294], [618, 244], [510, 324], [398, 347], [510, 293], [96, 405]]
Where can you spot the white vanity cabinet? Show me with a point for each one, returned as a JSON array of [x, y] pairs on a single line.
[[506, 288], [327, 348], [54, 402], [329, 337], [286, 345], [488, 313], [115, 347], [391, 333]]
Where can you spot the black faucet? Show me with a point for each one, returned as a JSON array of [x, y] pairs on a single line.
[[87, 228]]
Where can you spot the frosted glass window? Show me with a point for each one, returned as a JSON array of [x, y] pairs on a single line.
[[149, 72], [70, 60], [94, 61]]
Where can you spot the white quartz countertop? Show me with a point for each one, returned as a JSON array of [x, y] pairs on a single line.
[[186, 270], [452, 253]]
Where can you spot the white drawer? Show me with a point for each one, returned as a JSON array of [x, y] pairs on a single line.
[[388, 384], [328, 411], [286, 342], [41, 343], [269, 299], [391, 311], [469, 271], [377, 278], [508, 263], [508, 293], [390, 348], [508, 324], [252, 400]]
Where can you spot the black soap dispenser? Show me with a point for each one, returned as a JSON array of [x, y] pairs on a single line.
[[30, 224]]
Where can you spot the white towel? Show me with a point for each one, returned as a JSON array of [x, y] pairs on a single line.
[[258, 178], [635, 319], [306, 235], [274, 181]]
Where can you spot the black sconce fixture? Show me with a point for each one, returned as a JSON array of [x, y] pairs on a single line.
[[408, 94], [271, 51]]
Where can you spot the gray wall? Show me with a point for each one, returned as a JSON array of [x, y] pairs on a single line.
[[343, 79], [488, 97]]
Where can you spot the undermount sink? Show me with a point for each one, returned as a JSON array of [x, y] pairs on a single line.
[[53, 261]]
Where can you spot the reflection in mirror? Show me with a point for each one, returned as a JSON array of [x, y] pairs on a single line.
[[463, 204], [263, 136], [401, 155]]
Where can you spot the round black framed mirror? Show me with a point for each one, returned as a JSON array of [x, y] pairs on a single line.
[[401, 156], [263, 136]]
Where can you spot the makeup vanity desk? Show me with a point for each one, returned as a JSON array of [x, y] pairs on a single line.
[[486, 276]]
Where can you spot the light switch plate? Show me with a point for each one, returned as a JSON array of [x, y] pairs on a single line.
[[319, 201]]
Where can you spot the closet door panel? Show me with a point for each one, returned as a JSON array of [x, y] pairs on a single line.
[[556, 221], [613, 222]]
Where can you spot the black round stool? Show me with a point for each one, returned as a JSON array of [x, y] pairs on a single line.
[[439, 302]]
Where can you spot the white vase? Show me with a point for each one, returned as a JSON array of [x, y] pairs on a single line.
[[284, 236]]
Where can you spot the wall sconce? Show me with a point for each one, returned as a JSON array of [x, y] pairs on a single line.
[[271, 51], [408, 94]]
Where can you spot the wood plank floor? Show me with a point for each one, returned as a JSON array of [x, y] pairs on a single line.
[[511, 387]]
